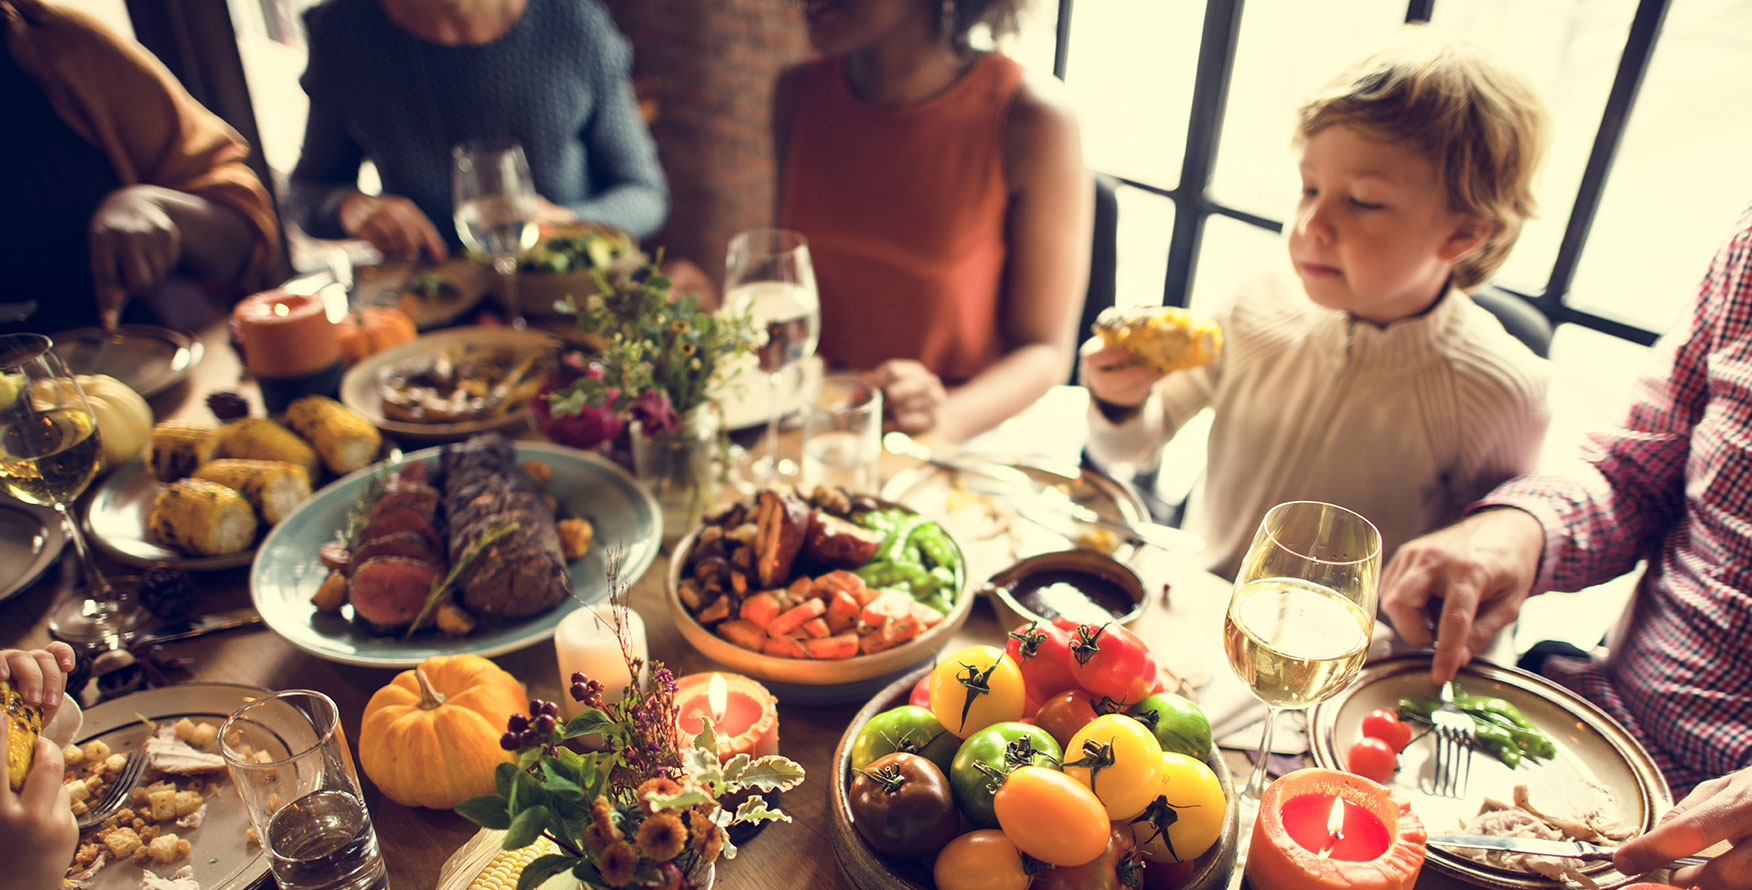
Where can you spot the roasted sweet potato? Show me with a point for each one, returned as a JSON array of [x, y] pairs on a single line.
[[781, 525]]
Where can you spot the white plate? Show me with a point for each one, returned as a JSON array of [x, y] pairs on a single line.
[[287, 570], [1592, 750], [30, 541], [221, 859], [746, 395], [148, 358], [359, 386], [384, 284]]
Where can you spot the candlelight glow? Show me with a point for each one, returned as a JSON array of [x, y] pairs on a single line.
[[718, 695], [1334, 828], [281, 310]]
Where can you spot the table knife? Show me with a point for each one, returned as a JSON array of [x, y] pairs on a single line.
[[1540, 847], [1036, 504], [199, 626]]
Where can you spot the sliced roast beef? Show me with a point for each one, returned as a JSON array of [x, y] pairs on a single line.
[[522, 573], [388, 592], [423, 498], [405, 519], [406, 544]]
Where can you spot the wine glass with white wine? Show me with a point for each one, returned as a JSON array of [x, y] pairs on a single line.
[[1299, 620], [48, 454], [768, 275], [495, 208]]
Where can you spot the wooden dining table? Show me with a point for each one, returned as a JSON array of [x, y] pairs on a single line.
[[1182, 620]]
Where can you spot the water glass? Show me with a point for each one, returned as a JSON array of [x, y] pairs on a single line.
[[496, 204], [290, 762], [842, 436]]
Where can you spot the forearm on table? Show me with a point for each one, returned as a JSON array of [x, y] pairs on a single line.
[[217, 239], [637, 208], [1001, 391]]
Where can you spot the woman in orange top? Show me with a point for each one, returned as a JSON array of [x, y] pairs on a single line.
[[946, 205]]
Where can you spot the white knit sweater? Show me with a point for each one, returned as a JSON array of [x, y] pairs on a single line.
[[1406, 424]]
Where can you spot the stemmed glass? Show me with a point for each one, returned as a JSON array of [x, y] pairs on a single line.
[[495, 208], [1299, 620], [48, 453], [768, 275]]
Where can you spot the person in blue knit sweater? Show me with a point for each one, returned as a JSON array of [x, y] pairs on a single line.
[[401, 81]]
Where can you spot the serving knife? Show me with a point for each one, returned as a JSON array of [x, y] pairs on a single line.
[[1533, 846]]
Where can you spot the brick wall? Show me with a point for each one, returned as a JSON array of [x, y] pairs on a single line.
[[710, 66]]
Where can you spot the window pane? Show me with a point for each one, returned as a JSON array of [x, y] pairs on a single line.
[[1287, 49], [1232, 252], [1569, 50], [1591, 377], [1130, 73], [1037, 37], [1146, 221], [1681, 175], [270, 41]]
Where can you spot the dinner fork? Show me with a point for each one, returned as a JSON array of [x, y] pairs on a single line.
[[121, 784], [1455, 737]]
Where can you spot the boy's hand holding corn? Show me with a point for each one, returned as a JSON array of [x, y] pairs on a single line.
[[36, 815]]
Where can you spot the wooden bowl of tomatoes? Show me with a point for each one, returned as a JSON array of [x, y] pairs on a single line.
[[934, 783]]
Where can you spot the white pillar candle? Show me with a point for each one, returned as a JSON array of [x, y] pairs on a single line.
[[586, 641]]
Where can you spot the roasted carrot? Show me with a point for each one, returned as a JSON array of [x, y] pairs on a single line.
[[746, 634], [803, 588], [761, 609], [815, 628], [842, 612], [927, 616], [842, 646], [783, 647], [717, 611], [891, 604], [794, 617]]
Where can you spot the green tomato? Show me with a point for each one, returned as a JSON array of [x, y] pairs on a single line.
[[1178, 724], [908, 729], [997, 747]]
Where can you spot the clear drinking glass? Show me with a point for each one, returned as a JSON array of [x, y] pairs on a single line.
[[1299, 620], [48, 453], [495, 208], [842, 436], [768, 275], [289, 759]]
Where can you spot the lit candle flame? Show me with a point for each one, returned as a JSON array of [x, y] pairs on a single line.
[[281, 310], [1334, 827], [718, 694]]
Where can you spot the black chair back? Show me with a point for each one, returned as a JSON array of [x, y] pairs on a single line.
[[1103, 260], [1526, 323]]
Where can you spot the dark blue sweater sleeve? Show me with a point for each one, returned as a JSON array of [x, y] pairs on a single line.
[[623, 156], [328, 164]]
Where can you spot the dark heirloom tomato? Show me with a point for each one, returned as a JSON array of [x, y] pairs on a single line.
[[1043, 651], [901, 805], [1110, 661], [1101, 874], [909, 729], [1064, 714], [996, 749]]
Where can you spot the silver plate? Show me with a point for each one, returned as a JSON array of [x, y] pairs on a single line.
[[148, 358], [359, 388], [31, 539]]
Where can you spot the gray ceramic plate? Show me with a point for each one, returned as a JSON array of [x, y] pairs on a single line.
[[31, 539], [287, 570], [1597, 761], [115, 515], [148, 358], [382, 285], [221, 859], [359, 388]]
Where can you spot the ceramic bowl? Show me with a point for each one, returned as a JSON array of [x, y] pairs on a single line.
[[1012, 612]]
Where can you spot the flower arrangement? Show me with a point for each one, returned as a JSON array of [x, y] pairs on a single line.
[[660, 359], [642, 810]]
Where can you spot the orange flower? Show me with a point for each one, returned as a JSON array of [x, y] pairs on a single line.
[[661, 837], [618, 863]]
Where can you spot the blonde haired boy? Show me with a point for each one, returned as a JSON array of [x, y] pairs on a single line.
[[1377, 384]]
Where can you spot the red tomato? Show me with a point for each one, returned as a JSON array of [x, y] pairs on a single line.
[[1372, 758], [1385, 725], [1063, 714], [1108, 660], [1100, 874], [1043, 651], [921, 693]]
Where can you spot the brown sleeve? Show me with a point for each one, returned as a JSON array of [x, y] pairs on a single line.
[[123, 100]]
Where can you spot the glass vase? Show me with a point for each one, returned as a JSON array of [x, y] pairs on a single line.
[[680, 467]]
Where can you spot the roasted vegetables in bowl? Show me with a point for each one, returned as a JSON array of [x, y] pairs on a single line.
[[820, 591]]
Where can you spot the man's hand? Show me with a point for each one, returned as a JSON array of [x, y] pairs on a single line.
[[1481, 569], [1114, 375], [1718, 810], [134, 245], [911, 394], [394, 225]]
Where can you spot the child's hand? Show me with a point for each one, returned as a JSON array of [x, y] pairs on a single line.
[[39, 675], [38, 820], [1114, 375]]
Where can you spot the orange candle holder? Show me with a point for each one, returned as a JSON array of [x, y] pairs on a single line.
[[289, 344], [744, 714], [1320, 828]]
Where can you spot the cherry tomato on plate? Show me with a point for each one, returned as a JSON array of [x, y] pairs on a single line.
[[975, 688], [1043, 652], [1110, 661], [980, 860], [901, 805], [1385, 725], [1372, 759]]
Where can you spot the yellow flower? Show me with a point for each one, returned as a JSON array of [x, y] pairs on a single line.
[[661, 837], [688, 348], [705, 835], [656, 786], [617, 863], [601, 832]]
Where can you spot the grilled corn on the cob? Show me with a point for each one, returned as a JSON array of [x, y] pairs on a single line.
[[273, 487], [23, 724], [344, 439], [201, 518], [178, 447], [258, 438], [1166, 338], [506, 866]]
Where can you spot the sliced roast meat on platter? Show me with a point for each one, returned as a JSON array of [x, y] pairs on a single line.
[[401, 520], [407, 544], [388, 592], [522, 573]]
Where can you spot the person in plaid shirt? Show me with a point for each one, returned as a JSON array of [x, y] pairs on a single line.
[[1672, 486]]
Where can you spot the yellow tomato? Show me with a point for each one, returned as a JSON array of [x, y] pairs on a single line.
[[980, 860], [1121, 762], [1186, 814], [975, 688], [1051, 816]]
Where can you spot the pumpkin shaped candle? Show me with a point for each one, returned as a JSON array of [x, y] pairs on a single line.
[[431, 737], [1320, 828]]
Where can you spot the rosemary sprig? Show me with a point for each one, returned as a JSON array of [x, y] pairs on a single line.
[[442, 588]]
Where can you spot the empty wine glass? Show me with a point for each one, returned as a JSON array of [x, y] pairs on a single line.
[[768, 275], [495, 208], [1299, 620], [48, 453]]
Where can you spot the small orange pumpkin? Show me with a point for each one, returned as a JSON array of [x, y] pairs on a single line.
[[372, 330], [431, 737]]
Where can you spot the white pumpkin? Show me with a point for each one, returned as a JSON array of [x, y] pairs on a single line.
[[124, 420]]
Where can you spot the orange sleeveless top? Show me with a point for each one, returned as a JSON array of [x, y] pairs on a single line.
[[904, 209]]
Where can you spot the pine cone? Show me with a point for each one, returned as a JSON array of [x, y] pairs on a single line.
[[227, 405], [167, 592]]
